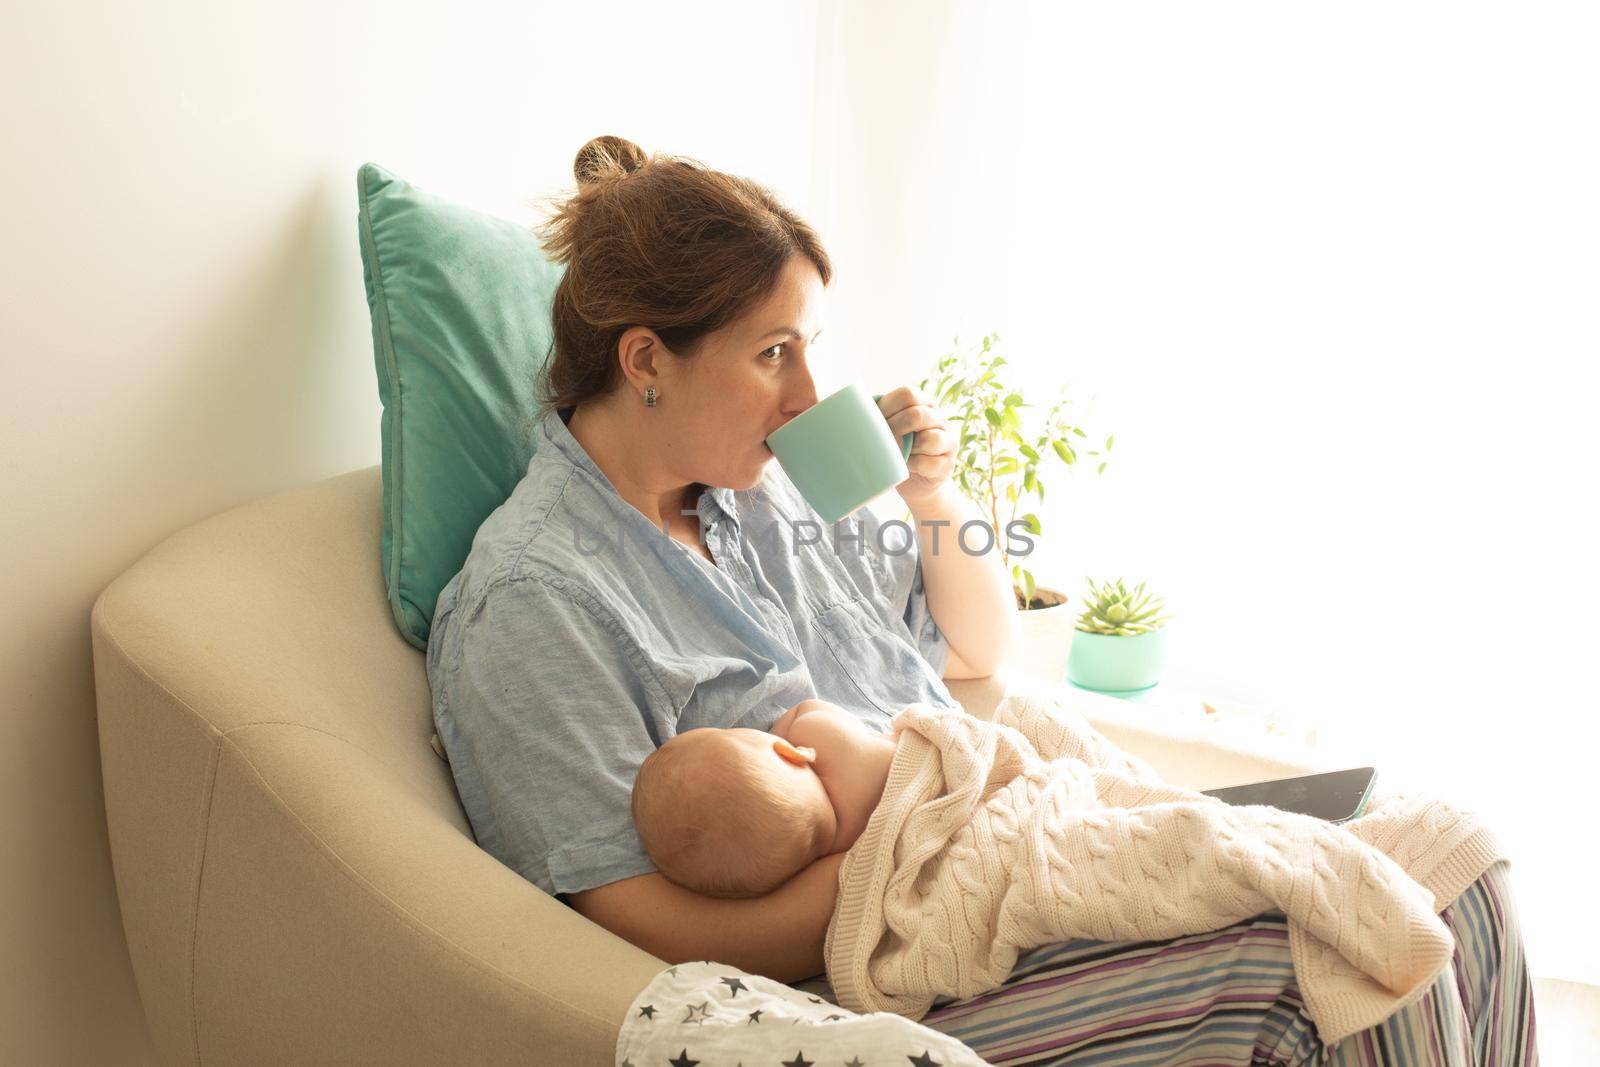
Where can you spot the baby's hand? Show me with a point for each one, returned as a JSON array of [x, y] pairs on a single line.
[[799, 755]]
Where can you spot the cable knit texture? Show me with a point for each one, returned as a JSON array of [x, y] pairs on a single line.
[[994, 837]]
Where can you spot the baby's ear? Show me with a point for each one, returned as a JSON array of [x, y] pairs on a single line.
[[800, 757]]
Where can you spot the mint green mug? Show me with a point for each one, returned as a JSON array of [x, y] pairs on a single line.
[[840, 452]]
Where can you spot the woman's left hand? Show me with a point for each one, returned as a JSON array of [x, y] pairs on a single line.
[[933, 449]]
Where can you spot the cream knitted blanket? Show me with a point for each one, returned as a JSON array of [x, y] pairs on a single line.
[[995, 837]]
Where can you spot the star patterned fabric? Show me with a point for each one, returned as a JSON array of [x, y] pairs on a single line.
[[708, 1013]]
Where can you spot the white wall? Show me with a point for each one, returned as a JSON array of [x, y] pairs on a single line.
[[186, 329], [1330, 272]]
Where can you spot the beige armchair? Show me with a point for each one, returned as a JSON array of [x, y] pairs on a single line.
[[296, 876]]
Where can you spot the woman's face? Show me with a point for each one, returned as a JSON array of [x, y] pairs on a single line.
[[750, 378]]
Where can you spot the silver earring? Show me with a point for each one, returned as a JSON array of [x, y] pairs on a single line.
[[649, 396]]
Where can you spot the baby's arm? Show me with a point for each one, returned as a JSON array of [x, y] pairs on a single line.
[[784, 727], [785, 722], [853, 762]]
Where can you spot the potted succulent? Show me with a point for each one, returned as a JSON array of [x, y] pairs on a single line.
[[1121, 643], [1002, 461]]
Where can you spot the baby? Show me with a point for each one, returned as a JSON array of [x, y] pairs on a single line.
[[738, 812]]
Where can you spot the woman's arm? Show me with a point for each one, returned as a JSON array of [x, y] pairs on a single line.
[[970, 597], [778, 936]]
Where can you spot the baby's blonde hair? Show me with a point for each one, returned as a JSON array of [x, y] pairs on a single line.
[[719, 826]]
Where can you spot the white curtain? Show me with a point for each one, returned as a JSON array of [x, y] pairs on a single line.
[[1329, 273]]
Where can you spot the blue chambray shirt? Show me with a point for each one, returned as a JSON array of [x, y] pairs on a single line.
[[578, 637]]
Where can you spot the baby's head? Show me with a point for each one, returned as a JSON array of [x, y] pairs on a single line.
[[731, 812]]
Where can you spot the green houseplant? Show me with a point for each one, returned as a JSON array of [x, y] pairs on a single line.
[[1003, 458], [1121, 640], [999, 463]]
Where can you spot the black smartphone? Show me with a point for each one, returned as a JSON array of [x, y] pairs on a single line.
[[1333, 795]]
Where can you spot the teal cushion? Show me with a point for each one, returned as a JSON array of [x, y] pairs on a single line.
[[460, 304]]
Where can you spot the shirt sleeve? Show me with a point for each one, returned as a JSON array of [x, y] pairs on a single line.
[[542, 702], [899, 570]]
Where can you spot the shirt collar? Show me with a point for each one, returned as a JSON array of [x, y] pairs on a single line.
[[554, 432], [716, 497]]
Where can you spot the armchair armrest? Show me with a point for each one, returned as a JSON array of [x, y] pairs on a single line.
[[297, 881], [311, 902]]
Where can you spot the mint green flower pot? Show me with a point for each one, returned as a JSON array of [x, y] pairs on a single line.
[[1109, 663]]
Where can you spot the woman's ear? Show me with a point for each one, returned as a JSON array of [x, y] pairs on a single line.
[[800, 757], [637, 352]]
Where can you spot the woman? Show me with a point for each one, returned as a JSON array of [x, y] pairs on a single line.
[[652, 574]]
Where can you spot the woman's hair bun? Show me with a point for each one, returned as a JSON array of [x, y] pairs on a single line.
[[605, 157]]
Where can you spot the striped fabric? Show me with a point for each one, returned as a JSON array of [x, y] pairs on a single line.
[[1229, 998]]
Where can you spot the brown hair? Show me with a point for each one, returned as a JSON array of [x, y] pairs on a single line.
[[712, 821], [657, 241]]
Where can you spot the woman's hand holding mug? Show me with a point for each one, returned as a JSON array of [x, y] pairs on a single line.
[[933, 449]]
